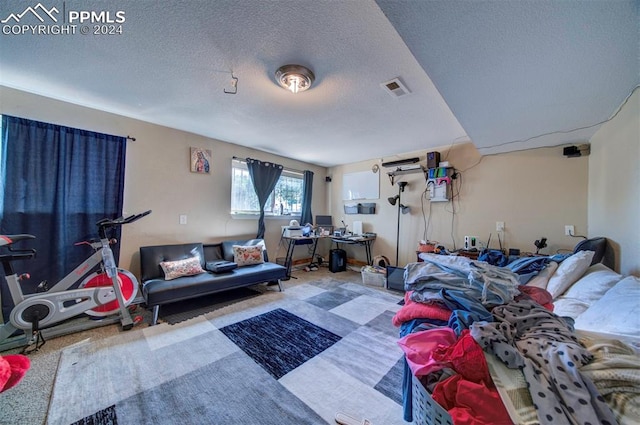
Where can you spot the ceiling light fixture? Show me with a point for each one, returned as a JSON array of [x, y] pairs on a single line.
[[295, 78]]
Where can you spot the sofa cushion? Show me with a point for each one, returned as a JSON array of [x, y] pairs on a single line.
[[246, 255], [568, 272], [187, 267], [152, 256], [617, 312], [160, 291], [227, 248]]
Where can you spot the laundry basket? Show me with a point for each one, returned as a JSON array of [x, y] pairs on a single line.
[[425, 409]]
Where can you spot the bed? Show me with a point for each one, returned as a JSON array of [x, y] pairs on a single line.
[[545, 340]]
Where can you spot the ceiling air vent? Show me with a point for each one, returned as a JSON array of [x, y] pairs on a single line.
[[395, 88]]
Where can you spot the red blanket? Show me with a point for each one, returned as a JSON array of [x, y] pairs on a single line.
[[413, 310]]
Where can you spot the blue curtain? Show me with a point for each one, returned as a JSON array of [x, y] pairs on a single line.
[[264, 176], [307, 190], [56, 183]]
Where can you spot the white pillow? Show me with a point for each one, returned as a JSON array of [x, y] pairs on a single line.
[[564, 306], [541, 280], [597, 280], [617, 312], [569, 271]]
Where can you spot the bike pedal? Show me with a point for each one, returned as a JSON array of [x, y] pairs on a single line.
[[42, 286]]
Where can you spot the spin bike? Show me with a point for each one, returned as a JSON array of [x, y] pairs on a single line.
[[105, 292]]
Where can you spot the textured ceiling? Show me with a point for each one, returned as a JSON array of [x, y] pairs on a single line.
[[518, 70], [503, 71]]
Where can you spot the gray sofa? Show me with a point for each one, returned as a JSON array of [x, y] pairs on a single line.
[[157, 291]]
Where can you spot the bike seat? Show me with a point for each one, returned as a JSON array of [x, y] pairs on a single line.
[[6, 240]]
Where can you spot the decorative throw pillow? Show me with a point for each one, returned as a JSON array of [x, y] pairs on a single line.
[[245, 255], [186, 267], [569, 271]]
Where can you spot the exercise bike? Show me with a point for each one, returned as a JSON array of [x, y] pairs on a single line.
[[105, 292]]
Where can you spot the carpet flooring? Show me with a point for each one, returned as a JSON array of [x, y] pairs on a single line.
[[188, 309], [292, 357], [279, 341]]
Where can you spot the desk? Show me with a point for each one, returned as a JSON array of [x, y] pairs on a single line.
[[357, 240], [294, 241]]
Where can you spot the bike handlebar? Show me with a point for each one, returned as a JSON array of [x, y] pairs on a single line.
[[105, 223]]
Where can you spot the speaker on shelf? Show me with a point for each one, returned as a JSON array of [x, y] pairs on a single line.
[[433, 159]]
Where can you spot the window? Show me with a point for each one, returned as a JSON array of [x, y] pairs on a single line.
[[286, 198]]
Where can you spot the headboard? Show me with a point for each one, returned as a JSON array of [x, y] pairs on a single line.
[[602, 251]]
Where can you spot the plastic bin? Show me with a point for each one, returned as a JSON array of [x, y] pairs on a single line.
[[425, 410], [367, 208], [374, 277], [351, 209]]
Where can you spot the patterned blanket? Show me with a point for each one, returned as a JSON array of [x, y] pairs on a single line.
[[615, 371]]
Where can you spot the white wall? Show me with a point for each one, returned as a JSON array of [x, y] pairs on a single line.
[[158, 178], [535, 193], [614, 185]]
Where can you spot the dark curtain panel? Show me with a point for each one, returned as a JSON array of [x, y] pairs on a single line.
[[307, 191], [56, 183], [264, 176]]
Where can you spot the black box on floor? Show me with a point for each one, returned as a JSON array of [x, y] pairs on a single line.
[[395, 278], [337, 260]]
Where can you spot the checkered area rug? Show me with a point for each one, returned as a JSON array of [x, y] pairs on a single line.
[[296, 357]]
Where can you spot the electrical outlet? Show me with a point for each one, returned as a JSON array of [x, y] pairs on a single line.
[[569, 230], [183, 219], [500, 226]]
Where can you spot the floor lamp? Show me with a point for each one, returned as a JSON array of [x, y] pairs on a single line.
[[401, 208]]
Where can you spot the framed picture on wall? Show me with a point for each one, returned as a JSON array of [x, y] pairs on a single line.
[[200, 160]]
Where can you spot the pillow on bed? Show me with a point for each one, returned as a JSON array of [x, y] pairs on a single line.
[[597, 280], [541, 280], [187, 267], [616, 312], [565, 306], [569, 271], [246, 255]]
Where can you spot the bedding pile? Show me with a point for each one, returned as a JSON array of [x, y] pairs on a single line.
[[458, 312]]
